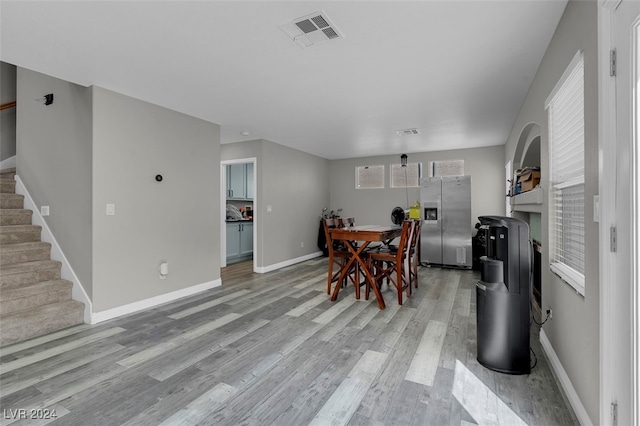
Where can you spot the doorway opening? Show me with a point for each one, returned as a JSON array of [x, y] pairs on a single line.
[[238, 202]]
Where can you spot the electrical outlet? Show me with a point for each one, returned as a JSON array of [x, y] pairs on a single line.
[[301, 244], [44, 210]]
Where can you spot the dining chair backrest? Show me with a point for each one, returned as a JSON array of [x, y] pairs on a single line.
[[415, 233], [409, 234], [328, 224], [411, 260], [411, 238], [331, 243], [339, 254], [390, 264], [405, 236]]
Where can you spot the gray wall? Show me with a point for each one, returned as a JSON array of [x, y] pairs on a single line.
[[54, 161], [177, 220], [8, 116], [296, 186], [373, 206], [235, 151], [574, 329]]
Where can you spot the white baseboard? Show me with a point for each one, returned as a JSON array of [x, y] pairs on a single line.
[[67, 271], [152, 301], [8, 163], [564, 381], [264, 269]]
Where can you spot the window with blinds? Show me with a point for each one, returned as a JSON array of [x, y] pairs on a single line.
[[446, 168], [565, 106], [369, 177], [409, 175]]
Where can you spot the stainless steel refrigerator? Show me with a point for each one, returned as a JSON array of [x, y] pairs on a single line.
[[446, 226]]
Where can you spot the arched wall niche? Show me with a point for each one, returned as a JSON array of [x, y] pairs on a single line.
[[528, 148], [528, 206], [532, 153]]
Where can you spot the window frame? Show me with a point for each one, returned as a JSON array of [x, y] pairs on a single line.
[[431, 166], [573, 74], [409, 184], [365, 167]]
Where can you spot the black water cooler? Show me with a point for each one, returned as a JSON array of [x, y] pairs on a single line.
[[504, 296]]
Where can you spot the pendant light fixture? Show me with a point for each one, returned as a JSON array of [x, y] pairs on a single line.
[[403, 163]]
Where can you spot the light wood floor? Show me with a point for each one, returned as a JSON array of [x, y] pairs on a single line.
[[272, 349]]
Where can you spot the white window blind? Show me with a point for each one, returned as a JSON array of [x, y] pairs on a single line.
[[446, 168], [412, 172], [369, 177], [565, 107]]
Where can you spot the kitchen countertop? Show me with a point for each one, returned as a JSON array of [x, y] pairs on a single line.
[[239, 220]]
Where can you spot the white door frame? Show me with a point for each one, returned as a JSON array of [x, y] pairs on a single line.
[[607, 188], [609, 218], [223, 209]]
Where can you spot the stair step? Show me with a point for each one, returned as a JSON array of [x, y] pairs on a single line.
[[12, 276], [13, 234], [15, 217], [7, 186], [11, 201], [8, 173], [44, 319], [24, 252], [31, 296]]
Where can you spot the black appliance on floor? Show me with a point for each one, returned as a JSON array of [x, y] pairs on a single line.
[[504, 296]]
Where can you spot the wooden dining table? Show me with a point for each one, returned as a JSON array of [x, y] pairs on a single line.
[[366, 234]]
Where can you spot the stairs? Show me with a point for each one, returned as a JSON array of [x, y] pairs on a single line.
[[33, 299]]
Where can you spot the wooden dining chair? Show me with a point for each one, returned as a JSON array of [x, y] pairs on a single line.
[[412, 259], [390, 264], [339, 256]]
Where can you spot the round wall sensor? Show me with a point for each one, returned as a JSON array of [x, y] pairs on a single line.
[[159, 178]]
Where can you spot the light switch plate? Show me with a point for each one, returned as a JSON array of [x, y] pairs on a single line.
[[44, 210], [111, 209], [269, 208]]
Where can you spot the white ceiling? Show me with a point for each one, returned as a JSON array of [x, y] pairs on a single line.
[[457, 71]]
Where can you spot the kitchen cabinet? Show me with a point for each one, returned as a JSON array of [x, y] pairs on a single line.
[[240, 182], [239, 241], [246, 239]]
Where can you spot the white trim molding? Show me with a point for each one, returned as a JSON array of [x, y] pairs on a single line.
[[8, 163], [569, 275], [152, 302], [577, 58], [269, 268], [67, 272], [563, 381], [607, 189], [257, 221], [610, 5], [223, 214]]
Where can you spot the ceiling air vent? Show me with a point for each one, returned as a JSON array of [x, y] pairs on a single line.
[[408, 132], [311, 29]]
